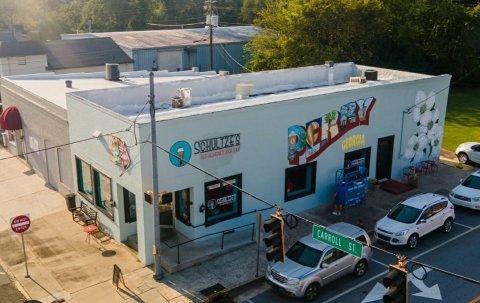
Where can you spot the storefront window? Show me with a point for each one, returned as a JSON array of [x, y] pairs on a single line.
[[84, 179], [182, 205], [130, 206], [222, 200], [103, 193], [300, 181], [357, 158]]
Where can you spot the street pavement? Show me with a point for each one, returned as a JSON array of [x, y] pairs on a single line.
[[63, 266]]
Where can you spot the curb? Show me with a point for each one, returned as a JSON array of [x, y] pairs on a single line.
[[14, 280], [239, 288]]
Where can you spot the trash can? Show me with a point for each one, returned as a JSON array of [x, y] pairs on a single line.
[[71, 202]]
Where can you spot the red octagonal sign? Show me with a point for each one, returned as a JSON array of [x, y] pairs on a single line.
[[20, 224]]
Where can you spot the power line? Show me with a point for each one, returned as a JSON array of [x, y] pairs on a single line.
[[66, 144]]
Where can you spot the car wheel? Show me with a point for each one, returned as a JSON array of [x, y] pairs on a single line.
[[312, 292], [447, 225], [462, 157], [412, 241], [360, 268]]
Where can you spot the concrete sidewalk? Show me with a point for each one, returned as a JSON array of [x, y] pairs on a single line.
[[63, 266]]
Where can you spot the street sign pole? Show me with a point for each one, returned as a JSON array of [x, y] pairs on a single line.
[[19, 225], [25, 256]]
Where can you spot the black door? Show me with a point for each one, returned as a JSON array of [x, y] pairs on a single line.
[[384, 157]]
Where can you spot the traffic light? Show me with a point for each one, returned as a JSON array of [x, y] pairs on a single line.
[[275, 242], [397, 283]]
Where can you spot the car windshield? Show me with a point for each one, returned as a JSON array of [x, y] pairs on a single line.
[[404, 213], [305, 255], [472, 182]]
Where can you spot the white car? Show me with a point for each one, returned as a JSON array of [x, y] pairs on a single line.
[[469, 151], [414, 218], [467, 193]]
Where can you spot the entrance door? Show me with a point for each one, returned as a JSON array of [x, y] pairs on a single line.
[[166, 213], [384, 157]]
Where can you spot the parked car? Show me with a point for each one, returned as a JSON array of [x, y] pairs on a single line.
[[310, 264], [469, 151], [467, 193], [414, 218]]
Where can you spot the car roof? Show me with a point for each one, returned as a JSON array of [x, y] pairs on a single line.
[[476, 173], [343, 228], [422, 200]]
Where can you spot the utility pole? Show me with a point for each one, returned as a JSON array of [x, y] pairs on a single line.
[[156, 209], [209, 8]]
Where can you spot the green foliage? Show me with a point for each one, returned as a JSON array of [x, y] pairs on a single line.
[[424, 35]]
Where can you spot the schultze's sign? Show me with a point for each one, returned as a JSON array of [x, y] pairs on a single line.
[[20, 224], [216, 147]]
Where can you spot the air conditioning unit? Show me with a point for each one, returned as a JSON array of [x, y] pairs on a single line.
[[223, 73], [358, 80], [5, 139], [185, 94], [177, 102], [243, 90], [111, 72]]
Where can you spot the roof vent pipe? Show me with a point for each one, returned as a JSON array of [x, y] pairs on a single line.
[[243, 90], [331, 76], [68, 83]]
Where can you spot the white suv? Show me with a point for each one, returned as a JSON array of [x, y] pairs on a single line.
[[415, 217], [467, 194]]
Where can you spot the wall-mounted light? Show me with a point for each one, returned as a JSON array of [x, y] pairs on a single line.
[[96, 134], [202, 208]]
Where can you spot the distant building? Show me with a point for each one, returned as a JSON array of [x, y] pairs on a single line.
[[183, 49], [59, 56]]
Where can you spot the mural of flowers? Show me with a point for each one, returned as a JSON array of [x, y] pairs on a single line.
[[426, 142], [118, 152]]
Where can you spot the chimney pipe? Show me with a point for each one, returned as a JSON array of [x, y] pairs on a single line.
[[68, 83]]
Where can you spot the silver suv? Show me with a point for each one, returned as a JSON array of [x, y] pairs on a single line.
[[415, 217], [310, 264]]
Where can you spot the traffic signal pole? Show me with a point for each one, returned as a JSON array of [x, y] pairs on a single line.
[[275, 242]]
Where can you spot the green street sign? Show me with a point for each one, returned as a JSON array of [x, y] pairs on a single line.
[[339, 241]]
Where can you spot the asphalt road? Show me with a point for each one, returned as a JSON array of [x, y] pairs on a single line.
[[456, 252]]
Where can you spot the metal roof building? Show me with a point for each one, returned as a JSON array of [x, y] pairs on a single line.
[[182, 49]]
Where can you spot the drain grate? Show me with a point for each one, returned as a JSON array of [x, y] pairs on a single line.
[[215, 293]]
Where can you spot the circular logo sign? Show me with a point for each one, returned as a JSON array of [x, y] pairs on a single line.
[[180, 153], [20, 224]]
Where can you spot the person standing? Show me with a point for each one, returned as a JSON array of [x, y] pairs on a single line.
[[340, 194]]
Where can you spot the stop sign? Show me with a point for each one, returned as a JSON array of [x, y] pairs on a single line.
[[20, 224]]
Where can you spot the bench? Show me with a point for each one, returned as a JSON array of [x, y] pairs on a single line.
[[85, 214]]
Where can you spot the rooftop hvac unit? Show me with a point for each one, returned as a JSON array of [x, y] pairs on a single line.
[[371, 75], [186, 95], [111, 72], [212, 20], [358, 80], [223, 73], [177, 102]]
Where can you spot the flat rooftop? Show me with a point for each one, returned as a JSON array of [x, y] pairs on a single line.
[[51, 87], [213, 94]]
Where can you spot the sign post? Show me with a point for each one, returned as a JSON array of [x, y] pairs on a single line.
[[19, 225], [336, 240]]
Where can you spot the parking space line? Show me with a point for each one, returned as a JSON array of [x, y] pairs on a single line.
[[378, 262], [446, 242], [463, 225]]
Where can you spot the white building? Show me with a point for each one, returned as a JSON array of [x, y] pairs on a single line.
[[283, 142], [39, 100]]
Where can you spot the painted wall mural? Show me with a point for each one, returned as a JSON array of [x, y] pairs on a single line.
[[306, 143], [425, 144], [118, 152]]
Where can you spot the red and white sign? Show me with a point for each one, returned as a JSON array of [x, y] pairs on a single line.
[[20, 224]]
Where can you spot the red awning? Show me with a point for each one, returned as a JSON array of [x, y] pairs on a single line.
[[10, 119]]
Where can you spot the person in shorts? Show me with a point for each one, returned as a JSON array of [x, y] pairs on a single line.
[[339, 202]]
